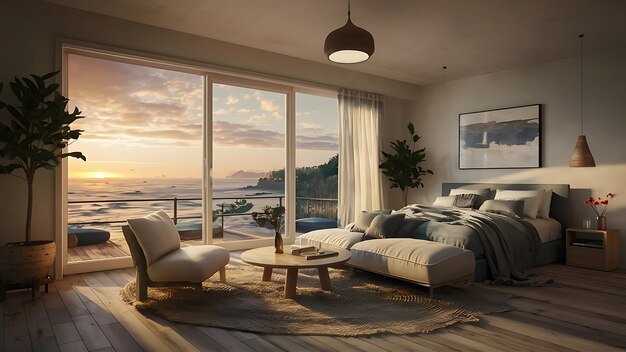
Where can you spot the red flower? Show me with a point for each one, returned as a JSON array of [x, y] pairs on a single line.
[[605, 202], [586, 202], [596, 203], [610, 195], [591, 199]]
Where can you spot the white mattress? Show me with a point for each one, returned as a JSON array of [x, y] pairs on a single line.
[[548, 229]]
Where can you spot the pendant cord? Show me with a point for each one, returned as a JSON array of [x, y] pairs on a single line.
[[581, 82], [348, 9]]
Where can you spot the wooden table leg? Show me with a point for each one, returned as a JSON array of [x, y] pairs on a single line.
[[267, 273], [324, 278], [290, 283]]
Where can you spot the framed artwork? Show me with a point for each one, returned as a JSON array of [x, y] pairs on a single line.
[[508, 138]]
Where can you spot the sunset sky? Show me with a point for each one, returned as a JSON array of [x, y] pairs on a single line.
[[143, 122]]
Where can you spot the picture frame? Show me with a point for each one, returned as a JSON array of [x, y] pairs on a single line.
[[506, 138]]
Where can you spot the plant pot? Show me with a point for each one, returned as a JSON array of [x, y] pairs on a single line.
[[26, 265]]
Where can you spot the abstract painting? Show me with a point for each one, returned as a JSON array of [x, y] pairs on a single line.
[[508, 138]]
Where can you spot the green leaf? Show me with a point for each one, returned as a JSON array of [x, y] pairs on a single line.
[[50, 75], [411, 128]]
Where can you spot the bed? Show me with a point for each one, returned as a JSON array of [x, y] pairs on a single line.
[[551, 232], [503, 246]]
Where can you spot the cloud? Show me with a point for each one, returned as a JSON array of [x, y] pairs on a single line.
[[136, 105], [230, 100], [236, 134], [310, 126], [317, 143]]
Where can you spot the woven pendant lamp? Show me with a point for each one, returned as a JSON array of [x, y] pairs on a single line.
[[582, 156]]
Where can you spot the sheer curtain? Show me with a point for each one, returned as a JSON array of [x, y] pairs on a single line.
[[360, 115]]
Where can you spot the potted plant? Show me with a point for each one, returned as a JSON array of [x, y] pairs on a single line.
[[32, 138], [273, 216], [402, 167]]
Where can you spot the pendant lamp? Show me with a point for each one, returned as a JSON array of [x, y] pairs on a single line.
[[349, 44], [582, 156]]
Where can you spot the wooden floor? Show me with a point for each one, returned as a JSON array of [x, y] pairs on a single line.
[[584, 311]]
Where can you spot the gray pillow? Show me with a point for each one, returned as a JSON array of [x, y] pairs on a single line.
[[384, 226], [408, 227], [513, 208], [365, 219], [465, 200]]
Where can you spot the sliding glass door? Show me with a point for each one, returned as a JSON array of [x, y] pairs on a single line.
[[248, 152], [143, 142], [207, 148]]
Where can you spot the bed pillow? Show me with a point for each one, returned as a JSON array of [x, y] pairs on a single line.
[[384, 226], [530, 197], [445, 201], [459, 201], [365, 219], [465, 200], [544, 211], [408, 227], [512, 208], [482, 194]]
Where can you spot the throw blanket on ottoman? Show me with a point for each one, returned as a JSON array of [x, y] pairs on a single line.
[[505, 241]]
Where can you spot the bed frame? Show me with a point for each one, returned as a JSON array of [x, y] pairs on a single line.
[[549, 252]]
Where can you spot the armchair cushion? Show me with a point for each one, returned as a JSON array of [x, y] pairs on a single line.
[[156, 234], [189, 264]]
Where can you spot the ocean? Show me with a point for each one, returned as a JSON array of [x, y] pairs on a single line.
[[117, 199]]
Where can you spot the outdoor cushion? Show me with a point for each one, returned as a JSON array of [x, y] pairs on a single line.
[[156, 234]]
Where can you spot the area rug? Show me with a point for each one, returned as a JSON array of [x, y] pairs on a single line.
[[360, 304]]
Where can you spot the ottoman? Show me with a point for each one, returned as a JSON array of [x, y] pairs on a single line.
[[426, 263], [330, 239]]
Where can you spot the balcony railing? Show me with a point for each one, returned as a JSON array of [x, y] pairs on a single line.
[[305, 207]]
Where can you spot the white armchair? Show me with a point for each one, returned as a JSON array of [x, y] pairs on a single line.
[[160, 261]]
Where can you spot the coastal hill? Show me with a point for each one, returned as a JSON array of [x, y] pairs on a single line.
[[247, 174]]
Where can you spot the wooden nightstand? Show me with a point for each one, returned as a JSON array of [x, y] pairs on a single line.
[[593, 249]]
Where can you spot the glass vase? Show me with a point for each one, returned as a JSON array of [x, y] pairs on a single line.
[[278, 242], [601, 222]]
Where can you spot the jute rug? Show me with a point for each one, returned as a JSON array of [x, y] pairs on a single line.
[[360, 304]]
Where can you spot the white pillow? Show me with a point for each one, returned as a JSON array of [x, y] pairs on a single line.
[[157, 235], [445, 201], [544, 196], [483, 192], [544, 212]]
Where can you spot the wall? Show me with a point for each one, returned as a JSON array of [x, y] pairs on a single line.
[[555, 85], [29, 28]]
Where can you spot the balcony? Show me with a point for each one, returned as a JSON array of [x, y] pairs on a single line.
[[229, 223]]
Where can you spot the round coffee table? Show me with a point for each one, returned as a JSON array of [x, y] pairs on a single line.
[[266, 258]]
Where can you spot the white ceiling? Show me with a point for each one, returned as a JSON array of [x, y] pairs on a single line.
[[414, 38]]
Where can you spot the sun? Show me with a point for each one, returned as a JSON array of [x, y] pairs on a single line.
[[100, 175]]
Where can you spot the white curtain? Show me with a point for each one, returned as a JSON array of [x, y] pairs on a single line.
[[360, 116]]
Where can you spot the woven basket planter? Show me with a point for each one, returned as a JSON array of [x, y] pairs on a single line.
[[24, 265]]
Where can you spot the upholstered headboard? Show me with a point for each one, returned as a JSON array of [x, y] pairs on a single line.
[[559, 208]]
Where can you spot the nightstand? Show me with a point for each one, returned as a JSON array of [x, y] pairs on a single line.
[[593, 249]]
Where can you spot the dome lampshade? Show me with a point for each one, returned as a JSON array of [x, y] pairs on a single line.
[[349, 44]]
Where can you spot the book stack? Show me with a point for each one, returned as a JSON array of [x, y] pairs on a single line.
[[297, 250], [310, 252]]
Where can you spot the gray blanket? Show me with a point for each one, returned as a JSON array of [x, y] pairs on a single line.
[[506, 241]]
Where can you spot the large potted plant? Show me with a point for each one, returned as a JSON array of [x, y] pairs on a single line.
[[31, 138], [402, 167]]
